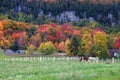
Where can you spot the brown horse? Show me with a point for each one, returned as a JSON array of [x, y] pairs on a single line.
[[83, 58]]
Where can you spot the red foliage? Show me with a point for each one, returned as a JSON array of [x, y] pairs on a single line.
[[51, 38], [66, 28], [76, 32], [53, 31], [16, 35], [98, 30], [2, 33], [117, 43], [60, 36], [43, 28]]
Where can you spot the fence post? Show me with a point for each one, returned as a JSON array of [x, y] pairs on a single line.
[[97, 59], [53, 59], [24, 58], [67, 59], [113, 60], [40, 59], [48, 59]]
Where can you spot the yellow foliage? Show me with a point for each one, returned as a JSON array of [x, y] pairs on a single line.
[[47, 48], [5, 43], [63, 45], [31, 49], [100, 39], [86, 39]]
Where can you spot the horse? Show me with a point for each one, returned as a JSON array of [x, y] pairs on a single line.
[[83, 58]]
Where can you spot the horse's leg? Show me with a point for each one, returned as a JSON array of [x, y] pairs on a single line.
[[86, 58], [80, 59]]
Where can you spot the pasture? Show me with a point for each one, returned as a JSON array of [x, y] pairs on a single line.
[[57, 69]]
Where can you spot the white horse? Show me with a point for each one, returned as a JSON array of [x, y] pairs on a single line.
[[93, 59]]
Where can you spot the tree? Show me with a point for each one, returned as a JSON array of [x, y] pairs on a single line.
[[73, 46], [5, 44], [35, 40], [46, 48], [117, 43], [110, 42], [86, 41], [30, 49], [22, 40], [100, 42]]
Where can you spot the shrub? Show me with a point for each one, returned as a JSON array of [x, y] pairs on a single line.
[[46, 48], [99, 51], [31, 49]]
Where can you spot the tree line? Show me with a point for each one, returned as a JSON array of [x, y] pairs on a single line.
[[47, 38]]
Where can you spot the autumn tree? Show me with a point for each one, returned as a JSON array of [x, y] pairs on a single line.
[[86, 41], [63, 45], [46, 48], [30, 49], [5, 43], [73, 46], [100, 42], [22, 40], [117, 43], [35, 40]]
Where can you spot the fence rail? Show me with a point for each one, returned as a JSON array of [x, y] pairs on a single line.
[[53, 59]]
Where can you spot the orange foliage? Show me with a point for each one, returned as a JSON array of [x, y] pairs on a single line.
[[15, 35], [5, 43], [2, 23], [62, 46], [86, 38], [76, 32], [23, 25]]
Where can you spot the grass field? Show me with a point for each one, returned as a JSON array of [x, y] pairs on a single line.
[[58, 70]]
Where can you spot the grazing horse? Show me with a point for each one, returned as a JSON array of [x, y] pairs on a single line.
[[83, 58], [93, 59]]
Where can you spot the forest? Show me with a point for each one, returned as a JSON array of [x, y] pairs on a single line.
[[49, 38], [105, 12]]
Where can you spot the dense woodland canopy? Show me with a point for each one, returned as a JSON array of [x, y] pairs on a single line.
[[46, 38], [45, 11]]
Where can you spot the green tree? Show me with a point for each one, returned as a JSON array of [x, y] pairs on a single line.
[[73, 46]]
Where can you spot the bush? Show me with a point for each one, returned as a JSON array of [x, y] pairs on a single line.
[[31, 49], [99, 51], [46, 48]]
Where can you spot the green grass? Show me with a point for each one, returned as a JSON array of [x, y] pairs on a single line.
[[2, 55], [58, 70]]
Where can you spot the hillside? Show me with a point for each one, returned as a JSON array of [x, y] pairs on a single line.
[[105, 12]]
